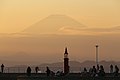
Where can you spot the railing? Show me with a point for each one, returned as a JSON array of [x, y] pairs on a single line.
[[42, 69], [15, 70]]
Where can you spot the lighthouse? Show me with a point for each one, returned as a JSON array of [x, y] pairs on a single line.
[[66, 62]]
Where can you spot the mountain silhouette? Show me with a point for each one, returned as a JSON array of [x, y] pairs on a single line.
[[52, 24], [75, 66]]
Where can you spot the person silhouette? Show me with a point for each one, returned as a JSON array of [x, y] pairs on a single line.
[[101, 71], [36, 69], [111, 68], [97, 70], [94, 71], [85, 70], [28, 71], [84, 73], [116, 71], [2, 68], [48, 71]]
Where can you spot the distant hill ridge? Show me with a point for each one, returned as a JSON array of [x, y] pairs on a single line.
[[76, 66]]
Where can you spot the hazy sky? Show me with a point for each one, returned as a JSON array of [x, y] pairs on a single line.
[[100, 17], [16, 15]]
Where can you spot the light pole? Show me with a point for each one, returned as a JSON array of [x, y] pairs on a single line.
[[97, 58]]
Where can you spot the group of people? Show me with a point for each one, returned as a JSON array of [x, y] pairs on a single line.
[[48, 71], [29, 70], [93, 72], [51, 73], [99, 71], [115, 70]]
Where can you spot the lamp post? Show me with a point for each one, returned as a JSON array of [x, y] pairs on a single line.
[[97, 58]]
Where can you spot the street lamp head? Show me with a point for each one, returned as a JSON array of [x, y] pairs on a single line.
[[97, 46]]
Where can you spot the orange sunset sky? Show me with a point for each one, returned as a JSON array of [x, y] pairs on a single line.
[[37, 31]]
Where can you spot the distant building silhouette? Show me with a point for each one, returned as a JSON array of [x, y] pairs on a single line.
[[66, 62]]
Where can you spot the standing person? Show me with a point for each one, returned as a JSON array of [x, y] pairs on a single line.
[[85, 70], [36, 69], [111, 68], [101, 72], [116, 70], [97, 70], [2, 68], [84, 73], [94, 71], [28, 71], [48, 71]]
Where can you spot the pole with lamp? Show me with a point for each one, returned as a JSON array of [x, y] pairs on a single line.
[[97, 57]]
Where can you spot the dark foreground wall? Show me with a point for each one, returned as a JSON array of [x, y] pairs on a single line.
[[23, 76], [9, 76], [68, 78]]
